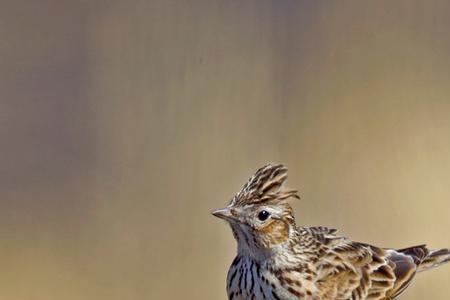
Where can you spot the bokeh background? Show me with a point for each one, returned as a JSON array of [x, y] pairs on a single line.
[[124, 123]]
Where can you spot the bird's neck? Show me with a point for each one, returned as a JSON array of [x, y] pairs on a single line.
[[293, 246]]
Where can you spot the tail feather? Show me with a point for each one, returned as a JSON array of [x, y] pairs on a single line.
[[417, 253], [407, 262], [433, 259]]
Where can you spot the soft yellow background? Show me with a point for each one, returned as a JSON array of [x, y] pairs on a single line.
[[123, 123]]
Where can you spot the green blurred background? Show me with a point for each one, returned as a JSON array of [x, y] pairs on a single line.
[[124, 123]]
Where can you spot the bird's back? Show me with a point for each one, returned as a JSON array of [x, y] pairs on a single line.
[[351, 270], [328, 266]]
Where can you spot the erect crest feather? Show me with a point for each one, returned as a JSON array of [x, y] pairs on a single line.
[[265, 186]]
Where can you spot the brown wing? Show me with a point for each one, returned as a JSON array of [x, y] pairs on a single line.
[[356, 271], [404, 263], [350, 270]]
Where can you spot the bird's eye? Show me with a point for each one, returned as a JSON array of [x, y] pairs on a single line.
[[263, 215]]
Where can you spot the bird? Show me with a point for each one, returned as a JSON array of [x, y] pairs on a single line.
[[276, 259]]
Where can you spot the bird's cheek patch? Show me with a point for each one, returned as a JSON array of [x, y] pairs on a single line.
[[275, 232]]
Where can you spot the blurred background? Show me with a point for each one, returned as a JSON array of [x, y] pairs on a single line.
[[124, 123]]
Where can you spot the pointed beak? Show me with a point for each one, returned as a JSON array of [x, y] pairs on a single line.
[[224, 213]]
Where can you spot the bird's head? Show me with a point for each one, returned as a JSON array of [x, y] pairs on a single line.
[[259, 214]]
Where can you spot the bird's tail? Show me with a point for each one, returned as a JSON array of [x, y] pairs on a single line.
[[426, 259], [434, 259], [423, 259]]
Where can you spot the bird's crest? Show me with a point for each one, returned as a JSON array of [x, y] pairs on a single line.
[[265, 186]]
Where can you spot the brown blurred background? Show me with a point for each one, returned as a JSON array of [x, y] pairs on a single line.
[[123, 123]]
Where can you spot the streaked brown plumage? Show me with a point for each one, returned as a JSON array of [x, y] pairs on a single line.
[[278, 260]]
